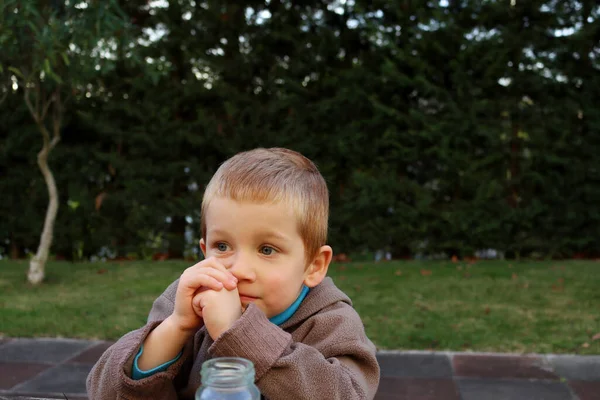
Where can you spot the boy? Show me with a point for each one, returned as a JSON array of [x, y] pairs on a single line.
[[261, 293]]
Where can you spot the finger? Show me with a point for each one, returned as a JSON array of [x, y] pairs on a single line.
[[197, 299], [197, 305], [226, 279], [212, 264], [217, 264], [192, 280], [219, 276]]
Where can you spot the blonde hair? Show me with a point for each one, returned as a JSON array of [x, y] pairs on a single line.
[[276, 175]]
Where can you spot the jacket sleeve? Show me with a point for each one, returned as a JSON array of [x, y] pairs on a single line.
[[334, 361], [110, 378]]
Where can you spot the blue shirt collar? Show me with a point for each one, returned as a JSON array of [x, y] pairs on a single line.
[[287, 314]]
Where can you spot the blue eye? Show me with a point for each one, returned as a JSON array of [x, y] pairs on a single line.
[[267, 250], [221, 247]]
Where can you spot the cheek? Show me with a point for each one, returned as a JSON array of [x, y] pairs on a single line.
[[279, 285], [275, 281]]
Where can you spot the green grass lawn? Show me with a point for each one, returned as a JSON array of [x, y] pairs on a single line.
[[486, 306]]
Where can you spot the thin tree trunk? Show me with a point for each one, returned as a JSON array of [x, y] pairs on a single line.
[[38, 262], [37, 265]]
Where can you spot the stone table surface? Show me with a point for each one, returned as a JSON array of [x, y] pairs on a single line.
[[57, 368]]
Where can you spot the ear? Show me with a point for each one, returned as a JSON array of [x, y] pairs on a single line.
[[317, 270], [203, 247]]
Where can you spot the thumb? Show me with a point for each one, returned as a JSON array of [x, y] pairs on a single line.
[[197, 302]]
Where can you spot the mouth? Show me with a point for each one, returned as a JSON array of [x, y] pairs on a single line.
[[246, 298]]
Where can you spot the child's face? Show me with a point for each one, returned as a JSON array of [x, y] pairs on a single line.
[[262, 247]]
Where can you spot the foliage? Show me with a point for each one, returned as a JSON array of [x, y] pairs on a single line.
[[441, 127]]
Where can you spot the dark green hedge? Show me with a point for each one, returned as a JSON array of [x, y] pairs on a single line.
[[441, 127]]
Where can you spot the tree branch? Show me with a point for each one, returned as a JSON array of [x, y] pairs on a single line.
[[29, 105], [46, 107], [37, 100], [57, 114], [36, 117]]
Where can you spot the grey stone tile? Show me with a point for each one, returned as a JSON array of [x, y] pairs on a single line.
[[477, 389], [415, 365], [41, 350], [92, 355], [378, 396], [34, 396], [586, 390], [417, 389], [66, 378], [11, 374], [577, 368], [21, 396], [499, 366]]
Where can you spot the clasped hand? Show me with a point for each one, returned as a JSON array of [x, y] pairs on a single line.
[[207, 292]]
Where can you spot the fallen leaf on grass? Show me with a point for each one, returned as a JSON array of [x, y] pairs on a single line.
[[425, 272], [487, 310], [343, 257], [160, 257], [526, 285], [596, 336], [585, 345], [398, 272], [515, 276], [101, 271]]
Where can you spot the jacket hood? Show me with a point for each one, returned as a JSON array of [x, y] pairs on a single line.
[[318, 298]]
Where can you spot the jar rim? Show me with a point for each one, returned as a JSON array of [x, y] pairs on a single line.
[[227, 371]]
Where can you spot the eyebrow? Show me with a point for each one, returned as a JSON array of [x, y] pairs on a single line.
[[273, 234], [263, 234]]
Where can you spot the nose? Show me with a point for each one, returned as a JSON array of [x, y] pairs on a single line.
[[241, 268]]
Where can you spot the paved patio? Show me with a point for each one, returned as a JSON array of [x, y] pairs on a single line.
[[57, 368]]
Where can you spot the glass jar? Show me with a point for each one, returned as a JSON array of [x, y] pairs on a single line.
[[228, 378]]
